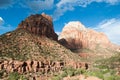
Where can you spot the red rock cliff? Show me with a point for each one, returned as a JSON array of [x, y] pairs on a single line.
[[39, 24]]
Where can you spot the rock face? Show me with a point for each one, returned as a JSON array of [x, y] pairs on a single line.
[[30, 49], [44, 66], [39, 24], [76, 36]]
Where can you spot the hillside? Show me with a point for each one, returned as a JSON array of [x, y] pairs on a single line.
[[22, 45], [33, 48]]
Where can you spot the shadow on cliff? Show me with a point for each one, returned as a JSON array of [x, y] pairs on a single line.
[[72, 45]]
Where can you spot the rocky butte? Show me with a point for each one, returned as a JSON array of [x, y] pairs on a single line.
[[39, 24]]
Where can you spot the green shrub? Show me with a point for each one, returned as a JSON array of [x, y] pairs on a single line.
[[56, 78], [13, 76], [112, 77], [1, 73], [22, 77], [98, 74], [64, 74], [70, 71], [16, 76], [79, 71]]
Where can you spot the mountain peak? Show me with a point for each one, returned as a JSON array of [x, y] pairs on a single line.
[[75, 25], [40, 24], [76, 36]]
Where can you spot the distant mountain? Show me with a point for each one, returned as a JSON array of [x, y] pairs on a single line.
[[76, 36]]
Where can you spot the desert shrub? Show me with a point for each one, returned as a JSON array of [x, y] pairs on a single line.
[[64, 74], [16, 76], [79, 71], [112, 77], [22, 77], [56, 78], [98, 74], [70, 71], [1, 73]]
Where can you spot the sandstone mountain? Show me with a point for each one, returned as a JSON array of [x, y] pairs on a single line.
[[76, 36], [33, 47], [33, 39], [39, 24], [34, 51]]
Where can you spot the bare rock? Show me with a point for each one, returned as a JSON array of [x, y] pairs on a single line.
[[75, 36], [40, 24]]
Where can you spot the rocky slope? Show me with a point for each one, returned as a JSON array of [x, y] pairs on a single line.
[[33, 47], [76, 36]]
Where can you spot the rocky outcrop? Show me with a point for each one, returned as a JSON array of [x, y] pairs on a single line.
[[75, 36], [31, 66], [40, 24], [38, 66]]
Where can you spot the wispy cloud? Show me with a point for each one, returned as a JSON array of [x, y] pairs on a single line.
[[1, 21], [4, 27], [59, 8], [38, 5], [5, 3], [112, 2], [68, 5], [111, 28], [35, 5]]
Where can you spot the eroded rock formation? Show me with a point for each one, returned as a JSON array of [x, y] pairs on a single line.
[[40, 24], [75, 36], [38, 66]]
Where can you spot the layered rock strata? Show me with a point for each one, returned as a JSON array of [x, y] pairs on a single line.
[[76, 36], [40, 24], [38, 66]]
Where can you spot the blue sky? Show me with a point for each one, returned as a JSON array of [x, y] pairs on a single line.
[[101, 15]]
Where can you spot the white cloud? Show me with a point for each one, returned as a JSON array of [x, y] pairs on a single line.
[[111, 28], [1, 21], [84, 3], [4, 28], [112, 2], [68, 5], [60, 11]]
